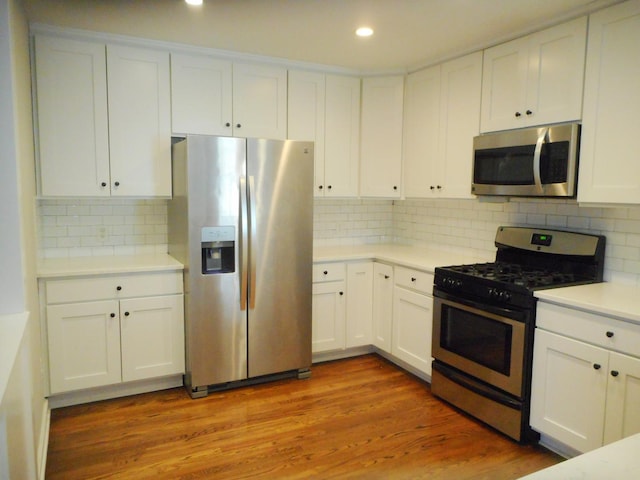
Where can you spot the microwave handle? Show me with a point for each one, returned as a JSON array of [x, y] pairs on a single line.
[[542, 138]]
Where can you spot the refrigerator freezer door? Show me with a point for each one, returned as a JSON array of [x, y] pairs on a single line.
[[280, 190], [216, 324]]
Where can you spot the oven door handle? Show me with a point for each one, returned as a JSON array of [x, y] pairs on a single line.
[[477, 387]]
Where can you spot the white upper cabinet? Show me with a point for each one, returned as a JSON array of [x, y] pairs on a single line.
[[139, 121], [326, 110], [201, 89], [72, 122], [216, 97], [103, 119], [381, 137], [536, 79], [609, 167], [342, 137], [442, 115]]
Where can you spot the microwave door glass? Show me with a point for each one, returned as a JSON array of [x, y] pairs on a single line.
[[504, 166]]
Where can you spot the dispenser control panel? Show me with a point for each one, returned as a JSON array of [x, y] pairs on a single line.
[[218, 234]]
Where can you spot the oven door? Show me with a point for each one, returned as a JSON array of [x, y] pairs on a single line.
[[489, 346]]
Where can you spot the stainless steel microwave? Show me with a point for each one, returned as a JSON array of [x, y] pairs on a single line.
[[531, 162]]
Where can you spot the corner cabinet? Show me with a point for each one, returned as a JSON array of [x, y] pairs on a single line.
[[441, 117], [103, 119], [586, 377], [381, 137], [111, 329], [212, 96], [326, 110], [535, 80], [609, 167]]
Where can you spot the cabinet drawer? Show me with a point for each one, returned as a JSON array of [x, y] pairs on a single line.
[[113, 286], [329, 272], [414, 279], [599, 330]]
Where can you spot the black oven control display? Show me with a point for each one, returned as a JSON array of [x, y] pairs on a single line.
[[541, 239]]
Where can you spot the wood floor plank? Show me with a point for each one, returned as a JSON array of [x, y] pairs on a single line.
[[356, 418]]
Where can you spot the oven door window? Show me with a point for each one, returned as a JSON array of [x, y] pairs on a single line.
[[480, 339]]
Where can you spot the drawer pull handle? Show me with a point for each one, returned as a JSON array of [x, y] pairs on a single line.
[[118, 288], [609, 334], [413, 279], [113, 315], [615, 373]]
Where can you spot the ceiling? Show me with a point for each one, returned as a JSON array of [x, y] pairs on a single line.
[[408, 33]]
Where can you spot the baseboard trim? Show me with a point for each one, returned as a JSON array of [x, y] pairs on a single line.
[[114, 391], [43, 440], [340, 354]]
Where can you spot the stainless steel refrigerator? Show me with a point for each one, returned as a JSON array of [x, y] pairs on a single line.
[[241, 221]]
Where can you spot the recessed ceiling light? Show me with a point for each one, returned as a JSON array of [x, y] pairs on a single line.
[[364, 32], [194, 2]]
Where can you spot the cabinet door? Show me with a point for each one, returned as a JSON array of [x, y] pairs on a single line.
[[459, 123], [623, 397], [381, 137], [152, 333], [421, 168], [200, 95], [556, 73], [609, 167], [568, 390], [382, 305], [504, 84], [342, 136], [139, 121], [359, 304], [412, 322], [73, 137], [305, 120], [328, 318], [259, 101], [84, 345]]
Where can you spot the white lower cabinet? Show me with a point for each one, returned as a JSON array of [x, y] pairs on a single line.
[[585, 394], [105, 330], [412, 318], [382, 305], [359, 323]]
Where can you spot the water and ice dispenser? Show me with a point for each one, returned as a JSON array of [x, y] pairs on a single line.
[[218, 249]]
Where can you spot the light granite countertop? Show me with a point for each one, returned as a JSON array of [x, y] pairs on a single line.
[[105, 265]]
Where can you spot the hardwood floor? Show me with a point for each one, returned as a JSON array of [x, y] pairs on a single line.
[[356, 418]]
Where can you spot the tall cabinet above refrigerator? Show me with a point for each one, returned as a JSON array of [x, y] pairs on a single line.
[[241, 221]]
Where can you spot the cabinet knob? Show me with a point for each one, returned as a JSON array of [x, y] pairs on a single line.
[[227, 124], [325, 272], [319, 187], [103, 184], [112, 315], [118, 288], [518, 114], [329, 187], [341, 293], [439, 187], [117, 184], [395, 187], [413, 279], [597, 366], [238, 125], [386, 277], [529, 112], [126, 314], [432, 187], [609, 334], [615, 373]]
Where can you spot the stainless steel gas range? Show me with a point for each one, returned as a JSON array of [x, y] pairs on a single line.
[[484, 320]]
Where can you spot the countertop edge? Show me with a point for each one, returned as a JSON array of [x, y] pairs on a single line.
[[106, 265]]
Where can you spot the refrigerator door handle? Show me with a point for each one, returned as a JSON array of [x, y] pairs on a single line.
[[244, 243], [252, 258]]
